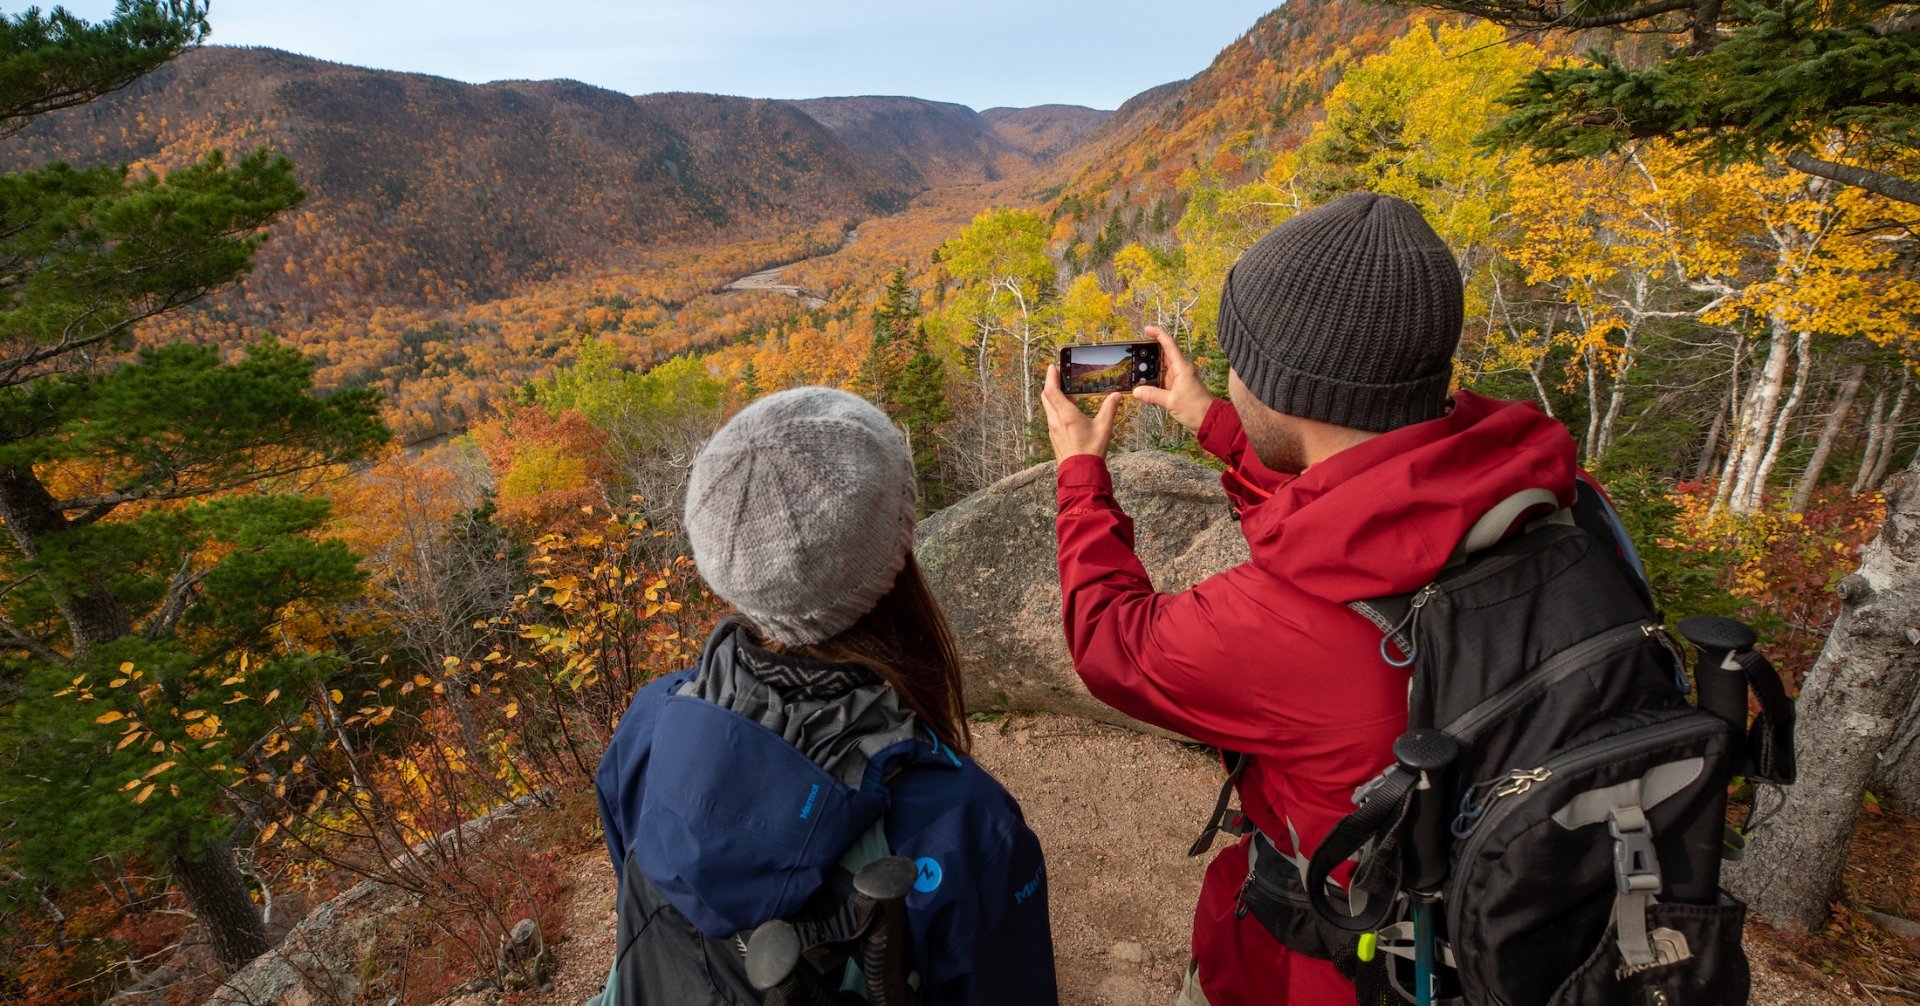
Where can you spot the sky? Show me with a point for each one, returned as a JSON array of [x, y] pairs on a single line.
[[980, 53]]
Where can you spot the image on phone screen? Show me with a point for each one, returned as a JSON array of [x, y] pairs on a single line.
[[1101, 368]]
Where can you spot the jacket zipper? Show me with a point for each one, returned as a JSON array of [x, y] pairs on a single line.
[[1468, 725]]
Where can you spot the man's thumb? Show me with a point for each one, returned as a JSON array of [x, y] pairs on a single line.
[[1152, 395]]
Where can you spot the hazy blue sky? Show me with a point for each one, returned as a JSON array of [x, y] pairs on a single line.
[[976, 52]]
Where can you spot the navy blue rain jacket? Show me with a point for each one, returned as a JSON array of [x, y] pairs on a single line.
[[734, 826]]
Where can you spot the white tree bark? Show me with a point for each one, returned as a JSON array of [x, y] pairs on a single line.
[[1829, 434], [1897, 776], [1890, 433], [1870, 455], [1757, 411], [1782, 426], [1850, 709]]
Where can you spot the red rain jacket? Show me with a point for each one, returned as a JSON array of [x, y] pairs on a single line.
[[1264, 658]]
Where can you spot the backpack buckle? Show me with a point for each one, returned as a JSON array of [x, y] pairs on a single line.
[[1636, 866]]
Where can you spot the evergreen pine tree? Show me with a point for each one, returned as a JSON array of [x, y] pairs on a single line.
[[905, 378], [919, 398], [156, 533], [893, 321], [1832, 89]]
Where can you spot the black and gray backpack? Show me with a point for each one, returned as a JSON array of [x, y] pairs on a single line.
[[1553, 828], [847, 946]]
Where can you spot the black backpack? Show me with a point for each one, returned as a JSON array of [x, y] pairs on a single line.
[[847, 946], [1553, 827]]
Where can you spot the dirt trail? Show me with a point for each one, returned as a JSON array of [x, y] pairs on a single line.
[[1115, 811]]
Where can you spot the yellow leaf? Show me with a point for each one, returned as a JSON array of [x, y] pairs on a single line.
[[336, 696], [236, 679], [142, 798], [116, 682], [110, 717], [270, 697], [422, 680], [128, 739], [512, 709], [195, 714], [268, 831], [450, 662], [126, 668], [157, 769]]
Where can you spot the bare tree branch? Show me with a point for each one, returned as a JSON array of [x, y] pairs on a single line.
[[1893, 187]]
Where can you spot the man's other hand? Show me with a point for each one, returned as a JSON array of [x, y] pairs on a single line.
[[1070, 430], [1185, 397]]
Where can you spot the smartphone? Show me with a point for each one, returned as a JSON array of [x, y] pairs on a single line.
[[1098, 368]]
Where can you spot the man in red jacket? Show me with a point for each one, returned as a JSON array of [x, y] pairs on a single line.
[[1354, 475]]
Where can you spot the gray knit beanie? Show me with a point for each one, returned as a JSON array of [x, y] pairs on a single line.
[[1346, 314], [800, 512]]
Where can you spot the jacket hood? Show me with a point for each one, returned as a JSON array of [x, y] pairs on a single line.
[[737, 824], [1383, 517]]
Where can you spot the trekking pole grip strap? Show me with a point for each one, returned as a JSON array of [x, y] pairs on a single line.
[[1770, 749], [1379, 815]]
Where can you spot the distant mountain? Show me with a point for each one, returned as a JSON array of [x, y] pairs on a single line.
[[1044, 131], [426, 190], [918, 142]]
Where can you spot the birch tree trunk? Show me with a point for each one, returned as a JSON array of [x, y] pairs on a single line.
[[1870, 455], [1617, 398], [1712, 447], [1756, 415], [1890, 432], [1897, 776], [1829, 433], [1852, 705], [1782, 424]]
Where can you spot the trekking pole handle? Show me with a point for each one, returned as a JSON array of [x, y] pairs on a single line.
[[1428, 754], [773, 967], [1718, 674], [881, 888]]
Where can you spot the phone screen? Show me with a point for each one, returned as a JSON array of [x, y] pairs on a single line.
[[1103, 367]]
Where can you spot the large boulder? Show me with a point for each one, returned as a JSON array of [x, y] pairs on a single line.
[[991, 560]]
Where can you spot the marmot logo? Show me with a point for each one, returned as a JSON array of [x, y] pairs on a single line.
[[928, 878]]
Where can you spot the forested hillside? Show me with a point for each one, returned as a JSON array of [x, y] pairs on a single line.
[[343, 489], [434, 192]]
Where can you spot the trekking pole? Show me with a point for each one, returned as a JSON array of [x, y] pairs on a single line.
[[1718, 675], [1428, 754], [881, 888], [1720, 678], [773, 967]]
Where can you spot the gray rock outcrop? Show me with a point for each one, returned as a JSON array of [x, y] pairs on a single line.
[[991, 559]]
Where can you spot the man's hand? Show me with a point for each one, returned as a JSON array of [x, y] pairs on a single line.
[[1186, 396], [1070, 430]]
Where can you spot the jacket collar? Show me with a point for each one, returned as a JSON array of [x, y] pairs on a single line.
[[1383, 516]]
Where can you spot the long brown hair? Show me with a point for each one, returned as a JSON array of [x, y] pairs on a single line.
[[905, 642]]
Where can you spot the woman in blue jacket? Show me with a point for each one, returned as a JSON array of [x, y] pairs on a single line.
[[823, 728]]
